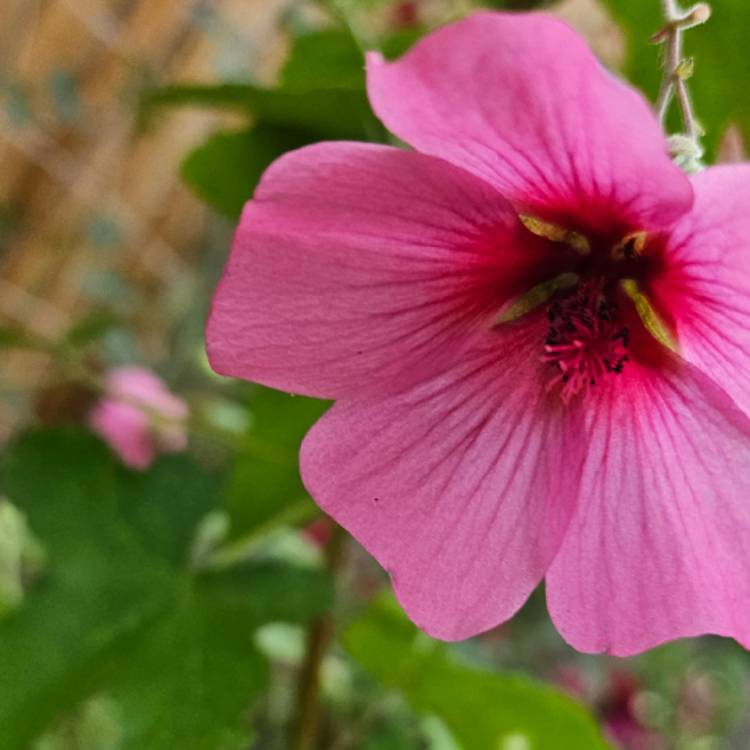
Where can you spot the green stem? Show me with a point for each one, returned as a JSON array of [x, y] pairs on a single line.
[[306, 727]]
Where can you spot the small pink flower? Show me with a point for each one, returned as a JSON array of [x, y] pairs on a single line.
[[493, 314], [139, 417]]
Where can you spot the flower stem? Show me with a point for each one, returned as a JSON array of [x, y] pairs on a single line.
[[677, 69], [306, 728]]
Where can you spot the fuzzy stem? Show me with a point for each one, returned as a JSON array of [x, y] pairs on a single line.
[[306, 728], [674, 81]]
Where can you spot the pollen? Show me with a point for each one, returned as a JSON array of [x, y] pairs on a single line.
[[585, 342]]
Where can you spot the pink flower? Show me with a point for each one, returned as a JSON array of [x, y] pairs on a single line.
[[139, 417], [508, 408]]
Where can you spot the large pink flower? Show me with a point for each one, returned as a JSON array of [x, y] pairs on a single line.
[[138, 417], [536, 330]]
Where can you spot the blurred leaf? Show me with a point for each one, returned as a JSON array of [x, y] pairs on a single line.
[[399, 43], [265, 486], [190, 682], [95, 725], [119, 610], [722, 67], [13, 337], [327, 59], [164, 505], [319, 113], [99, 589], [91, 328], [482, 709], [226, 168]]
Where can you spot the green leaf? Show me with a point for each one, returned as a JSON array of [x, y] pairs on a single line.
[[190, 683], [721, 63], [98, 589], [164, 505], [482, 709], [327, 59], [13, 337], [265, 487], [90, 328], [119, 611], [322, 113], [226, 168]]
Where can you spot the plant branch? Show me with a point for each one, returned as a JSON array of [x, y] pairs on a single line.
[[306, 728], [677, 69]]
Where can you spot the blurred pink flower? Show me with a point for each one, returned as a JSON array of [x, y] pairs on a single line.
[[620, 719], [139, 417], [495, 315]]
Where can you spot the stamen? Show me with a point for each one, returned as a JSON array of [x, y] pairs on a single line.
[[536, 296], [555, 233], [585, 342], [630, 246], [649, 317]]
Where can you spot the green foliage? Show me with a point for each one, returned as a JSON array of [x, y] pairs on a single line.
[[482, 709], [265, 486], [321, 97], [13, 337], [325, 113], [722, 69], [120, 608], [324, 59], [90, 328], [224, 170]]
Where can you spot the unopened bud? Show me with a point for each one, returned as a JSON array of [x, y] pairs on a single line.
[[684, 69]]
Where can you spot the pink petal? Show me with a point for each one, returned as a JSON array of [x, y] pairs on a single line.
[[363, 268], [521, 101], [659, 547], [461, 487], [706, 283], [126, 429]]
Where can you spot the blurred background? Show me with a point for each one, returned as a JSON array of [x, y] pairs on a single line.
[[164, 580]]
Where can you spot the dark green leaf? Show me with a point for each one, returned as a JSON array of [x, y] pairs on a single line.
[[226, 168], [266, 485], [280, 592], [164, 505], [324, 60], [322, 113], [90, 328], [480, 708], [119, 611], [399, 43], [98, 590], [190, 684]]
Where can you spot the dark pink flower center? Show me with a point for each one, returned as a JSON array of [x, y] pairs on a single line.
[[585, 341], [596, 323]]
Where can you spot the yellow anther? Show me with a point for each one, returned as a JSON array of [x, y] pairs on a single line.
[[556, 233], [649, 317], [536, 296], [630, 246]]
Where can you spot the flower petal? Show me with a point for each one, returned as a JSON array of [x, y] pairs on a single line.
[[126, 429], [520, 100], [362, 268], [659, 547], [461, 487], [705, 286]]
